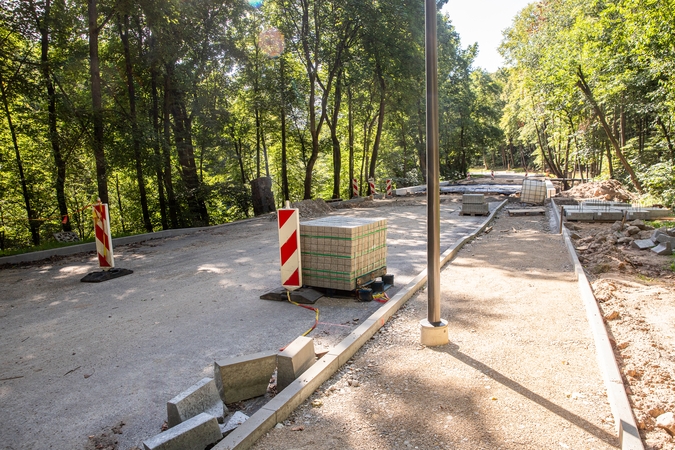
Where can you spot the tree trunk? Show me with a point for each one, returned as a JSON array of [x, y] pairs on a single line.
[[610, 165], [59, 162], [380, 122], [666, 135], [257, 142], [156, 146], [119, 203], [284, 157], [135, 133], [421, 143], [97, 104], [166, 155], [185, 149], [588, 93], [332, 124], [350, 130], [33, 224]]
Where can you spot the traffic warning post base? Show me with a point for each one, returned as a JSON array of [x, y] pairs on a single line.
[[304, 295], [105, 275]]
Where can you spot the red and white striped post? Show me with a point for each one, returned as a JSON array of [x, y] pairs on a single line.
[[371, 182], [289, 247], [106, 260], [355, 187], [389, 190]]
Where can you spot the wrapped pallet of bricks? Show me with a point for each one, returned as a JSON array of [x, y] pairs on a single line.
[[533, 191], [474, 205], [338, 251]]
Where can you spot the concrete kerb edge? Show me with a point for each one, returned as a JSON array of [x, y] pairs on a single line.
[[283, 404], [624, 420], [91, 246]]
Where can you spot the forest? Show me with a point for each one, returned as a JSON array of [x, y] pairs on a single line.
[[168, 109]]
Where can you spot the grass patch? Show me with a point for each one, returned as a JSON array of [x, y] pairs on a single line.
[[660, 223]]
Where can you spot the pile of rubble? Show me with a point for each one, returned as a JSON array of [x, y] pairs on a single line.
[[600, 252], [610, 190], [312, 208]]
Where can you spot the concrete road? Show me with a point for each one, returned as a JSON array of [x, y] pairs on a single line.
[[76, 358]]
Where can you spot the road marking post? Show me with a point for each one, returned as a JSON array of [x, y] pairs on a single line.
[[289, 247], [355, 187], [371, 183], [104, 249], [389, 189]]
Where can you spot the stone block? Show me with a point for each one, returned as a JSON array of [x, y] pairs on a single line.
[[202, 397], [477, 199], [233, 422], [635, 215], [663, 249], [642, 244], [580, 216], [663, 238], [631, 230], [244, 377], [297, 357], [194, 434], [608, 216], [262, 196], [657, 213], [656, 233]]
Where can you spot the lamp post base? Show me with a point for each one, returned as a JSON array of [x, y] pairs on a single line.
[[434, 335]]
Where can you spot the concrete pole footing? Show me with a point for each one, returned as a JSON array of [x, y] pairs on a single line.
[[434, 335]]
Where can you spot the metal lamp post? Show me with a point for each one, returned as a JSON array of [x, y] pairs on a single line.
[[434, 330]]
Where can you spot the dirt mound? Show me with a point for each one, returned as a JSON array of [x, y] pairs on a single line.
[[610, 190], [312, 208]]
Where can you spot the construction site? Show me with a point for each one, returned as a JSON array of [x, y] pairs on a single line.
[[560, 309]]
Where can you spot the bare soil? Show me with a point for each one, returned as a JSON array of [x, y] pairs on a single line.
[[635, 291]]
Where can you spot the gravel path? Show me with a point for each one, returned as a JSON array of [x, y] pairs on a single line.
[[520, 371]]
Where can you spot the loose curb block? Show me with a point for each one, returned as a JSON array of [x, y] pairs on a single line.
[[297, 357], [244, 377], [193, 434], [199, 398], [284, 403], [642, 244], [663, 249], [629, 437]]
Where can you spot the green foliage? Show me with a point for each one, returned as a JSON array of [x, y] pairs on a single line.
[[193, 99], [659, 179]]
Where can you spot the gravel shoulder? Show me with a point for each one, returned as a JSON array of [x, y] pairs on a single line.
[[520, 371]]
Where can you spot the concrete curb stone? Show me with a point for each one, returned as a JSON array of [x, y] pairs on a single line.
[[245, 376], [199, 398], [629, 437], [296, 358], [193, 434]]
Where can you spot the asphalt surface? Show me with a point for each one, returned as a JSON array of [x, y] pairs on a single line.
[[78, 358]]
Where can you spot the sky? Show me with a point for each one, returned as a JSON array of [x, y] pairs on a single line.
[[483, 21]]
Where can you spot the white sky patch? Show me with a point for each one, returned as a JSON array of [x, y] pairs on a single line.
[[483, 21]]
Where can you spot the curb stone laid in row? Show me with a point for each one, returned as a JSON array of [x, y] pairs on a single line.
[[629, 437]]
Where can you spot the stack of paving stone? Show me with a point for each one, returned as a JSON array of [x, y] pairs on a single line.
[[533, 191], [662, 242], [474, 204], [336, 251]]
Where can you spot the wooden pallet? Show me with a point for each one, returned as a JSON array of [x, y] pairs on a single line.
[[526, 211]]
